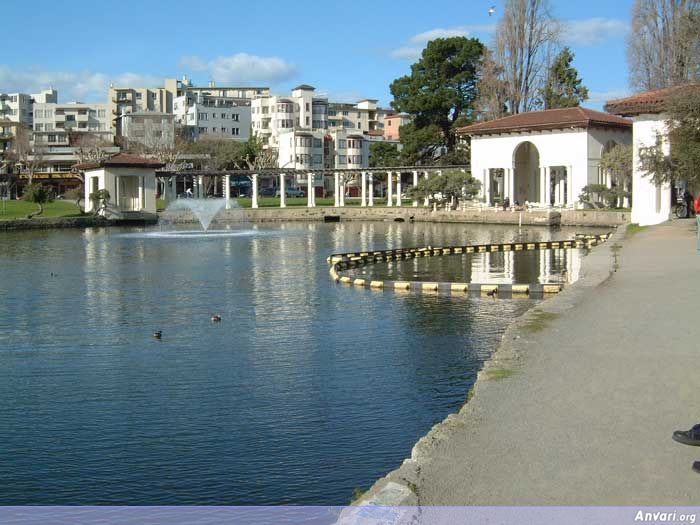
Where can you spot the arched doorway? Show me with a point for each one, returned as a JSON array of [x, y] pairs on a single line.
[[526, 164]]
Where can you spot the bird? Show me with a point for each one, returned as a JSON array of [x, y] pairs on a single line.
[[492, 10], [493, 293], [158, 334], [216, 318]]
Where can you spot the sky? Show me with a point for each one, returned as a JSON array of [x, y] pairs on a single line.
[[348, 50]]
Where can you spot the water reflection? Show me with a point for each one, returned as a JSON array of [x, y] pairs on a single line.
[[302, 392]]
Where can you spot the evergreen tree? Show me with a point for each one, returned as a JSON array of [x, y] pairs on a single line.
[[564, 88], [439, 93]]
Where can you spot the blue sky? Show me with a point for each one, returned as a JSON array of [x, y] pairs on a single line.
[[348, 50]]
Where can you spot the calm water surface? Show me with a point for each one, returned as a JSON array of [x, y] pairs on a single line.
[[304, 391]]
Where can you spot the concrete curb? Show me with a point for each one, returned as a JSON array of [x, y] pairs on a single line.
[[399, 487]]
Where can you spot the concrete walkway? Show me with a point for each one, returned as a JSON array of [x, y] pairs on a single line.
[[587, 415]]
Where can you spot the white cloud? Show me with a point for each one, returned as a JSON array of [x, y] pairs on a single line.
[[593, 31], [416, 43], [601, 97], [407, 53], [71, 85], [243, 67]]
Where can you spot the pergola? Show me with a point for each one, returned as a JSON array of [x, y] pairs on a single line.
[[341, 178]]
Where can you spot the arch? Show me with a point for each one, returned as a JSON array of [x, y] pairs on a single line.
[[526, 173]]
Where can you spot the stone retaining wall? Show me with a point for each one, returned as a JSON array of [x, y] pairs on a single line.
[[87, 221]]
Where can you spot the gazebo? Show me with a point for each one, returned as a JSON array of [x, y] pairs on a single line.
[[652, 202], [130, 181], [543, 158]]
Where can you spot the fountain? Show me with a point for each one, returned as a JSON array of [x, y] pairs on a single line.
[[203, 209]]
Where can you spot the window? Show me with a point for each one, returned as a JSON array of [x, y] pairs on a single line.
[[235, 132], [345, 113], [342, 159], [203, 116], [213, 130], [138, 96], [38, 127], [224, 116], [213, 115], [49, 126], [307, 106], [342, 144], [224, 130], [51, 138], [318, 159], [39, 113], [308, 119], [234, 117], [318, 143]]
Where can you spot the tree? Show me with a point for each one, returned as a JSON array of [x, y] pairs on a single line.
[[526, 38], [383, 154], [564, 89], [618, 162], [100, 199], [37, 194], [451, 185], [491, 103], [439, 94], [29, 157], [680, 161], [664, 43]]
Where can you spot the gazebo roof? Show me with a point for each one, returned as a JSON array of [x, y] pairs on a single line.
[[120, 160], [647, 102], [549, 119]]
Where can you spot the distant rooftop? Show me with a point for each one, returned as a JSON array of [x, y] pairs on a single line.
[[647, 102]]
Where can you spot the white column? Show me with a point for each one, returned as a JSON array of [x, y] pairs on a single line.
[[283, 189], [547, 186], [570, 186], [342, 189], [336, 191], [255, 191], [313, 188], [364, 189], [200, 187], [389, 189], [415, 183], [511, 185], [486, 186], [227, 187], [142, 194], [426, 202], [309, 191], [371, 188], [398, 188]]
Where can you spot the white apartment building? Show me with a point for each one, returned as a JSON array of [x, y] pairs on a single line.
[[205, 115], [151, 130], [61, 130], [311, 133]]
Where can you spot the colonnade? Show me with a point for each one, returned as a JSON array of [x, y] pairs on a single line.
[[553, 185]]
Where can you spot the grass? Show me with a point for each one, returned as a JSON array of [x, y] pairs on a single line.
[[633, 229], [160, 204], [20, 209], [539, 321]]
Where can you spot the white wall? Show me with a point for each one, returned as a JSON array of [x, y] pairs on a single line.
[[650, 204], [556, 148], [107, 179]]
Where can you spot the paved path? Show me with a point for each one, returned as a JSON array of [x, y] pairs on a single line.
[[587, 416]]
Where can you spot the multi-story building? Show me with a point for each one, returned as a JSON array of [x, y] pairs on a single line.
[[151, 130], [201, 114], [124, 100], [63, 132], [393, 123]]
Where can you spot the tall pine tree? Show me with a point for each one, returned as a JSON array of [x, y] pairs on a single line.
[[564, 89]]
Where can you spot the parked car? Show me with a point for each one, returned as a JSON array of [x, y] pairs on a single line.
[[291, 192], [267, 192]]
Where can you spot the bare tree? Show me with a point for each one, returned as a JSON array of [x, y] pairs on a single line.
[[664, 43], [526, 38], [491, 103], [28, 155]]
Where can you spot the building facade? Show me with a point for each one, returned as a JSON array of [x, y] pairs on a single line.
[[544, 158], [393, 123]]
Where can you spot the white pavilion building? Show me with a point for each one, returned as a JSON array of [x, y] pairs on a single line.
[[545, 157]]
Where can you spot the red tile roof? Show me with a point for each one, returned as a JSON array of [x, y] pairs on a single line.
[[545, 120], [646, 102], [120, 160]]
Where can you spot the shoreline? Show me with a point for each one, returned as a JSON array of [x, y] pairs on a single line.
[[549, 218], [400, 487]]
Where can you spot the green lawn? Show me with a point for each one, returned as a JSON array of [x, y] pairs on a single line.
[[20, 209]]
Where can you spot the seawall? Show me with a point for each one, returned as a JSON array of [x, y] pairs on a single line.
[[86, 221]]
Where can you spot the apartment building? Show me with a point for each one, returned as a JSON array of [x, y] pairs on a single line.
[[210, 114], [62, 131], [150, 130], [125, 100], [393, 123]]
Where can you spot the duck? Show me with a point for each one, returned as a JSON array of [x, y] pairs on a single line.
[[158, 334], [493, 293], [216, 318]]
